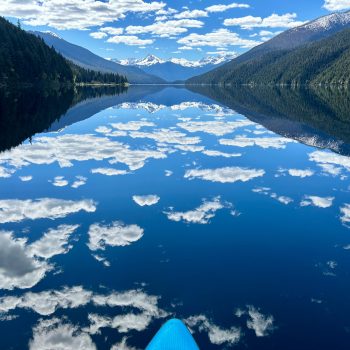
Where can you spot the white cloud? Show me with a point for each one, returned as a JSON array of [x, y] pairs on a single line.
[[224, 175], [336, 5], [166, 29], [14, 210], [26, 178], [168, 173], [218, 128], [74, 14], [300, 172], [274, 21], [345, 210], [131, 40], [146, 200], [132, 125], [222, 8], [191, 14], [321, 202], [217, 38], [267, 192], [261, 324], [263, 142], [59, 181], [123, 345], [331, 163], [65, 149], [108, 171], [112, 30], [167, 136], [114, 235], [80, 181], [216, 334], [53, 242], [23, 265], [199, 215], [212, 153], [56, 334], [98, 35]]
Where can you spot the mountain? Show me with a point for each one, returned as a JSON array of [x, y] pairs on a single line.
[[317, 117], [175, 69], [275, 48], [88, 60], [24, 58]]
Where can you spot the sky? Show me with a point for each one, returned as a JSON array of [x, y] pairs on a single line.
[[177, 28]]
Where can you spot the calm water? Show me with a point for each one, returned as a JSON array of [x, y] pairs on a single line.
[[227, 209]]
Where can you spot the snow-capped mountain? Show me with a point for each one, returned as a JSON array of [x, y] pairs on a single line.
[[151, 60], [85, 58], [175, 69], [329, 22]]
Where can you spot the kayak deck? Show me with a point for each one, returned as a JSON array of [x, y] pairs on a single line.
[[173, 335]]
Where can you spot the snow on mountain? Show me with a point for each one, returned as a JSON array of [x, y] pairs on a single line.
[[329, 21], [151, 60]]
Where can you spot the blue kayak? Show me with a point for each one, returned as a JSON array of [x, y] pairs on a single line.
[[173, 335]]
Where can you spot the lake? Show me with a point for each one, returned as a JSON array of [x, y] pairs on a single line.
[[226, 208]]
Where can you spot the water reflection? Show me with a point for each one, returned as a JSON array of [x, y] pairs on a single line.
[[157, 202], [316, 117]]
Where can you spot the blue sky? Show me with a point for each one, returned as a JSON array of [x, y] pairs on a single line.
[[183, 29]]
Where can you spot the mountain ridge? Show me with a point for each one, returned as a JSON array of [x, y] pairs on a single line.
[[88, 60], [311, 32]]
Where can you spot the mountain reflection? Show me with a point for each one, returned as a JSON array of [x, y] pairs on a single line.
[[25, 112], [316, 117]]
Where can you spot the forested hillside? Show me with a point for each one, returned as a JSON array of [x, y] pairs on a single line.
[[27, 59], [323, 62]]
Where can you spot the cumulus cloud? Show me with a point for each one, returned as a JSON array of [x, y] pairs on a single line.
[[80, 181], [59, 181], [267, 192], [130, 40], [14, 210], [167, 136], [26, 178], [201, 214], [224, 175], [216, 334], [336, 5], [274, 21], [147, 200], [345, 211], [108, 171], [217, 38], [331, 163], [212, 153], [222, 8], [218, 128], [23, 265], [132, 125], [301, 172], [123, 345], [65, 149], [166, 29], [57, 334], [263, 142], [321, 202], [114, 235], [261, 324], [98, 35], [75, 14]]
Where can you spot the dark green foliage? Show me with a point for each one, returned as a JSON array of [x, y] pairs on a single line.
[[323, 62], [87, 76], [315, 114], [24, 58]]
